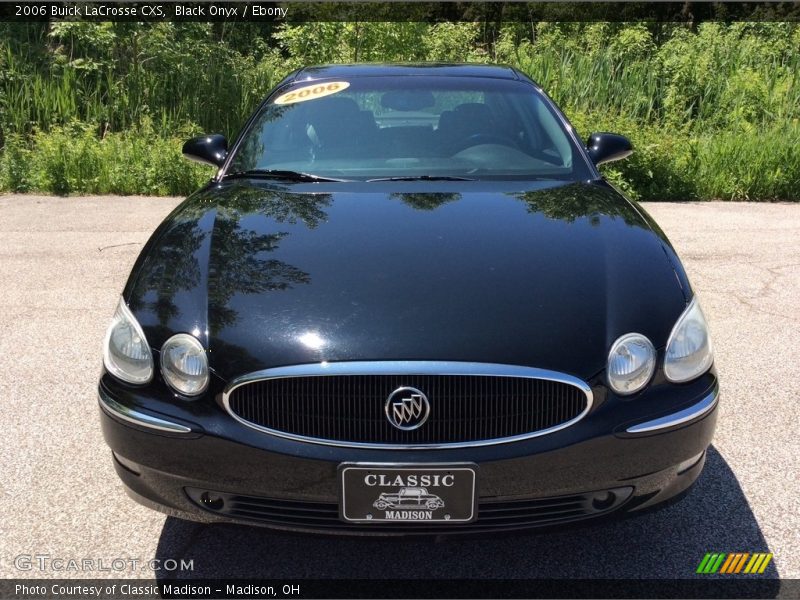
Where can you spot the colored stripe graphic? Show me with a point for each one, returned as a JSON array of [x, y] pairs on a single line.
[[717, 563], [758, 564], [711, 562], [701, 568], [729, 562], [741, 562], [734, 563], [765, 563], [737, 559], [753, 560]]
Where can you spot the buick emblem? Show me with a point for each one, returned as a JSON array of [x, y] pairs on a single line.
[[407, 408]]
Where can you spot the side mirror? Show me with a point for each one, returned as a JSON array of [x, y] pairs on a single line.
[[607, 147], [207, 149]]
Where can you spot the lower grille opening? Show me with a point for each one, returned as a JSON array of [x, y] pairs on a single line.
[[493, 515]]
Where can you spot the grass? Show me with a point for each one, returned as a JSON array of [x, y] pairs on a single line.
[[74, 160]]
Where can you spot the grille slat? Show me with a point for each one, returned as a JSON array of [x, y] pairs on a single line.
[[528, 508], [463, 408], [492, 514]]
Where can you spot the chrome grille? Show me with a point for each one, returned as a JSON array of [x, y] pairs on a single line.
[[466, 409]]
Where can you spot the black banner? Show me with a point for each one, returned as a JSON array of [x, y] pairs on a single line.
[[711, 587], [301, 11]]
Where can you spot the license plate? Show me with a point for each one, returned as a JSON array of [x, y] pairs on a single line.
[[374, 493]]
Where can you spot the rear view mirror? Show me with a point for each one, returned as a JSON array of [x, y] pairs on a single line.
[[207, 149], [608, 147], [407, 100]]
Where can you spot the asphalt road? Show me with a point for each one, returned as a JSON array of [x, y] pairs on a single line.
[[63, 262]]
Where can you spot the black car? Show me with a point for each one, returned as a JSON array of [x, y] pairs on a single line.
[[407, 276]]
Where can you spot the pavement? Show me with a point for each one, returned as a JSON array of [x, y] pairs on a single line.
[[63, 263]]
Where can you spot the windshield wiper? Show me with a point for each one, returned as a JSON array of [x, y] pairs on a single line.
[[422, 178], [280, 174]]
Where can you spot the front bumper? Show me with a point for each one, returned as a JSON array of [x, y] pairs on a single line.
[[196, 462]]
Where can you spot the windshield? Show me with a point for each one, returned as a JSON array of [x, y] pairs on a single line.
[[410, 127]]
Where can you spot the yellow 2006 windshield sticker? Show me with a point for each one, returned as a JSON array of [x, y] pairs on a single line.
[[311, 92]]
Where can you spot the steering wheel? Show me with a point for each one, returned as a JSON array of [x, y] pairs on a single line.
[[476, 139]]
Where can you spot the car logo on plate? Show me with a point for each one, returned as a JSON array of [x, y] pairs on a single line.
[[416, 498], [407, 408]]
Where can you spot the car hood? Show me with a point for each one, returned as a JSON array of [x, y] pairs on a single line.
[[268, 275]]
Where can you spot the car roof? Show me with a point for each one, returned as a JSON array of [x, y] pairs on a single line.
[[405, 69]]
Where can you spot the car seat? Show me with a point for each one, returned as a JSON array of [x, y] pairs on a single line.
[[338, 127]]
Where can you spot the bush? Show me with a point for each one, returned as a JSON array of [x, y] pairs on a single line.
[[14, 164], [74, 160], [762, 163]]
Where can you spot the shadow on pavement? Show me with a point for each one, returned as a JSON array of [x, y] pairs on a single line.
[[665, 544]]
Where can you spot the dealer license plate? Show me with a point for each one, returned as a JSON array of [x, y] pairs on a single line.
[[377, 493]]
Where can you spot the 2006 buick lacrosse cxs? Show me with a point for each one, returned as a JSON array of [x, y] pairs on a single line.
[[407, 282]]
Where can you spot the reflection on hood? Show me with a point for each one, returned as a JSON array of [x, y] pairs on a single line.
[[265, 275]]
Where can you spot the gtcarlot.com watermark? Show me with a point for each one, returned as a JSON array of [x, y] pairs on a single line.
[[63, 564]]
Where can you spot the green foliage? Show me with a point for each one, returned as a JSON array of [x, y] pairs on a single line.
[[713, 110], [717, 77], [340, 42], [115, 75], [72, 159], [757, 163], [14, 164]]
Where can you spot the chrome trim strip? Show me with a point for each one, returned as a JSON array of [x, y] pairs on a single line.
[[407, 367], [683, 416], [130, 415]]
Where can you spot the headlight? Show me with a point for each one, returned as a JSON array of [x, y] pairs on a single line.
[[631, 363], [184, 364], [689, 352], [126, 354]]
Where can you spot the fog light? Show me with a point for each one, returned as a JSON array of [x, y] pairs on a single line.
[[212, 502], [604, 500]]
